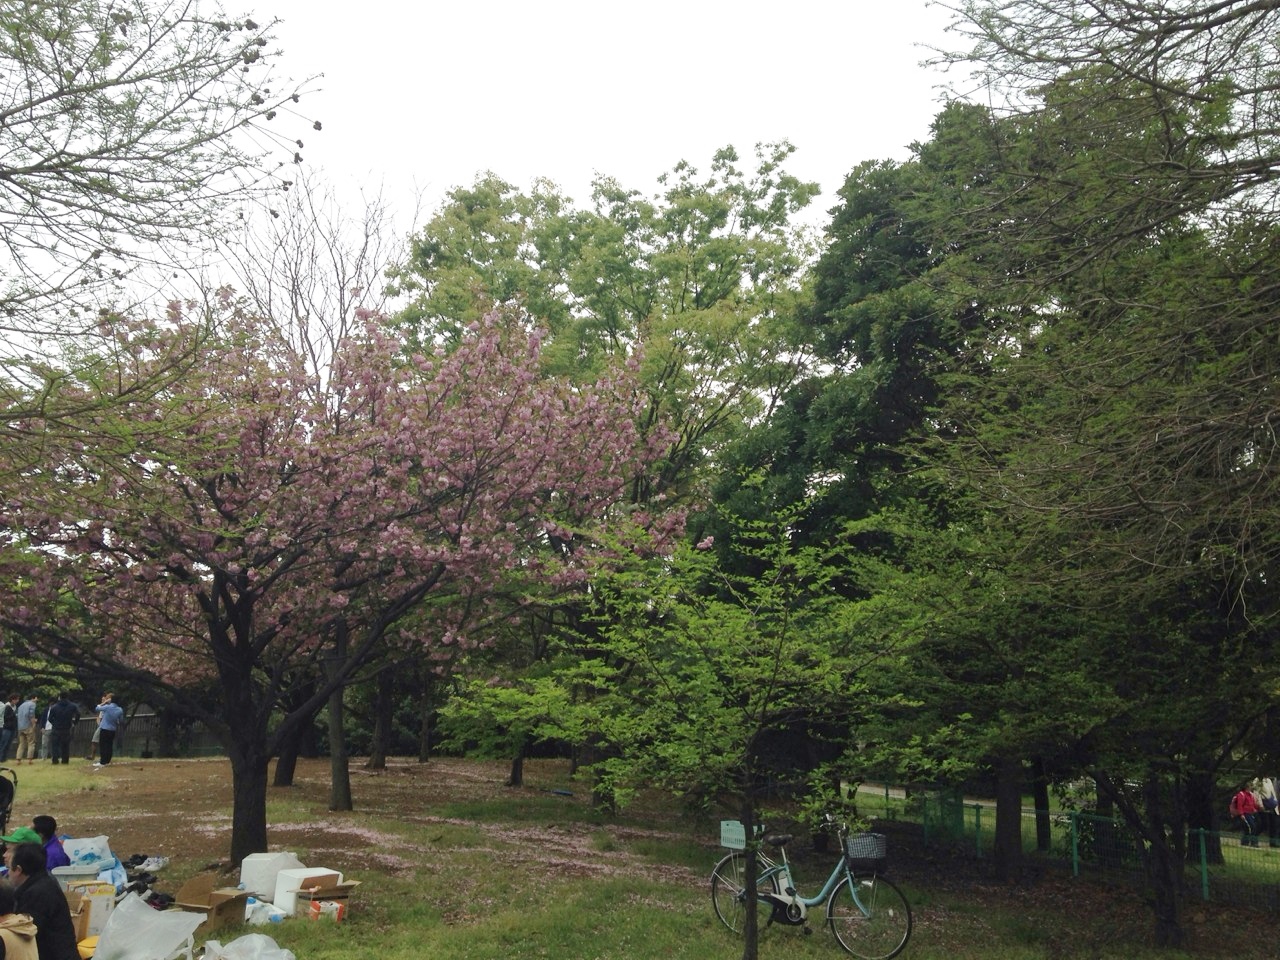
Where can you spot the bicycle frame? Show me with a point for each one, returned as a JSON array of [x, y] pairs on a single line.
[[782, 871]]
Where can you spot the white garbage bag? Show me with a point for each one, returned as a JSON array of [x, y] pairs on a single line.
[[252, 946], [136, 931]]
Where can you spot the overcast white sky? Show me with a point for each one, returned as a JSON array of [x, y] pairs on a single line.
[[426, 95]]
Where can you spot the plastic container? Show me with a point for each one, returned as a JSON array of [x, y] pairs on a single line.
[[76, 873], [258, 871]]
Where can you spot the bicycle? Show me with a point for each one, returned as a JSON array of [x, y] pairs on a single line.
[[867, 914]]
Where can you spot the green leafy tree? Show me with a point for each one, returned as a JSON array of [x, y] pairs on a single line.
[[704, 680], [696, 287], [1150, 82], [699, 282], [1119, 210]]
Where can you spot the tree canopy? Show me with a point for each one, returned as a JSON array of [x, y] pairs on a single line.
[[252, 521], [126, 128], [697, 284]]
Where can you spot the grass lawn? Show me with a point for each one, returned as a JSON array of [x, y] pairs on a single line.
[[453, 864]]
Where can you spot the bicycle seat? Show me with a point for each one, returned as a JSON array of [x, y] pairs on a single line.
[[779, 839]]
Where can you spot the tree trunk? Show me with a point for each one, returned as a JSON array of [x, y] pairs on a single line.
[[751, 921], [516, 779], [292, 746], [249, 801], [1105, 846], [287, 761], [166, 733], [1008, 842], [426, 705], [381, 722], [1164, 864], [1040, 796], [601, 796], [245, 737], [339, 766], [1200, 793], [1166, 888]]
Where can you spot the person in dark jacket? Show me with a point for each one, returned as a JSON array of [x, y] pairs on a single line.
[[8, 725], [38, 895], [62, 717]]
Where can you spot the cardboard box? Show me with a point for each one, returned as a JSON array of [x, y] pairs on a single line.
[[98, 900], [79, 908], [289, 882], [223, 905], [327, 901], [334, 910], [258, 872]]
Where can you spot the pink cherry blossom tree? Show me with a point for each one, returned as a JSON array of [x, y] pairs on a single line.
[[252, 523]]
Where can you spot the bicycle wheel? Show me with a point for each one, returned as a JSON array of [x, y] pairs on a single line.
[[869, 917], [729, 893]]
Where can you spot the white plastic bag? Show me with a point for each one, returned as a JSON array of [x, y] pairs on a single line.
[[259, 912], [89, 850], [252, 946], [136, 931], [115, 875]]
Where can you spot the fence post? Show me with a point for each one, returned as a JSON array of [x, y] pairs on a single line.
[[977, 828], [1075, 843], [1204, 865]]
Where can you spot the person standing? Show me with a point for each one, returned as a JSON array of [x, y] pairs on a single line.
[[1244, 806], [1265, 789], [62, 719], [110, 719], [93, 741], [8, 725], [46, 734], [38, 895], [28, 733]]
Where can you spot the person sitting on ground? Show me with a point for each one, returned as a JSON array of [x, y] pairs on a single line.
[[17, 930], [38, 895], [19, 835], [54, 855]]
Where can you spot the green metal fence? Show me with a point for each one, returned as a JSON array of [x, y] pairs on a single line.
[[1220, 867]]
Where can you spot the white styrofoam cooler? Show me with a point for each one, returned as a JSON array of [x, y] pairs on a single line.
[[288, 883], [258, 872]]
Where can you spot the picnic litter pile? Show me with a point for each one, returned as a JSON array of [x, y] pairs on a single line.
[[119, 915]]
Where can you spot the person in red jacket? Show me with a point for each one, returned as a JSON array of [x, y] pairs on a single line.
[[1245, 806]]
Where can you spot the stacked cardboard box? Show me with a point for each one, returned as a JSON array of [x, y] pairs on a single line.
[[223, 905]]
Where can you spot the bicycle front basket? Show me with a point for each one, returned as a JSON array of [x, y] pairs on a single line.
[[867, 852]]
